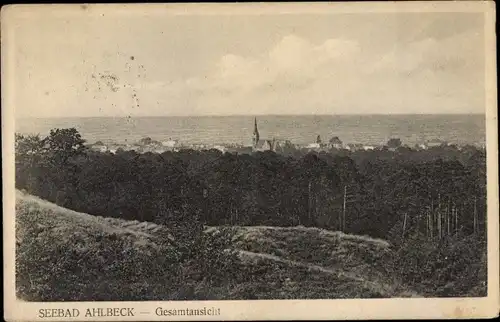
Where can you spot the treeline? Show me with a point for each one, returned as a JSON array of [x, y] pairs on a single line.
[[394, 195]]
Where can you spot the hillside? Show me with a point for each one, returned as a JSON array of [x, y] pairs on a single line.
[[359, 261], [65, 255]]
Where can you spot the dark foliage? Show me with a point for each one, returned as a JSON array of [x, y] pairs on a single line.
[[436, 195]]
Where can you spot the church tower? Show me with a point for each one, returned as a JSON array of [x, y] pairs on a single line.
[[255, 138]]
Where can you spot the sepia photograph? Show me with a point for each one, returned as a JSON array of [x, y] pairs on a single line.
[[193, 156]]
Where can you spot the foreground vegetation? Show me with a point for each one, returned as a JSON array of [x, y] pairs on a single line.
[[65, 255], [429, 205], [70, 256]]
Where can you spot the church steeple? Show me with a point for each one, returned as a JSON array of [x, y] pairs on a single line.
[[255, 138]]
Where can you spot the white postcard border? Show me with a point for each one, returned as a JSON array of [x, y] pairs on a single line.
[[260, 309]]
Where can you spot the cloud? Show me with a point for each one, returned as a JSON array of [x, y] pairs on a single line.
[[457, 54], [296, 76], [292, 65], [292, 59]]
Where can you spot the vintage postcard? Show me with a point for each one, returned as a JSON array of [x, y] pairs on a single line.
[[265, 161]]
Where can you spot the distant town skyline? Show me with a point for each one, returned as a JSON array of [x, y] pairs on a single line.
[[84, 63]]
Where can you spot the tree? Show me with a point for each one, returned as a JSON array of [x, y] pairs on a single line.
[[28, 145], [335, 143], [394, 143], [28, 154], [62, 144]]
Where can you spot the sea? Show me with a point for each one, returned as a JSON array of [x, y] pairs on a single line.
[[303, 129]]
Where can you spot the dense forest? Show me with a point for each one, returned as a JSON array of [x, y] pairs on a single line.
[[435, 196], [436, 192]]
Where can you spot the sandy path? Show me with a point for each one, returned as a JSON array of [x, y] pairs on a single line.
[[378, 286]]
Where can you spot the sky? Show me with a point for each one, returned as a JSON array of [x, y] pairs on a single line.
[[86, 64]]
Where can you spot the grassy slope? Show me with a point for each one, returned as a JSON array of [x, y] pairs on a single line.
[[65, 255], [62, 254], [359, 260]]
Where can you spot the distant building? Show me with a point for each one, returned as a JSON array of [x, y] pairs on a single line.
[[100, 148], [313, 146], [263, 145], [170, 143], [435, 143], [282, 146], [421, 146], [318, 145], [257, 143], [220, 148], [196, 146], [354, 146]]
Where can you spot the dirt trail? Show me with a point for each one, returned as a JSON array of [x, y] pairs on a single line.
[[378, 286]]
